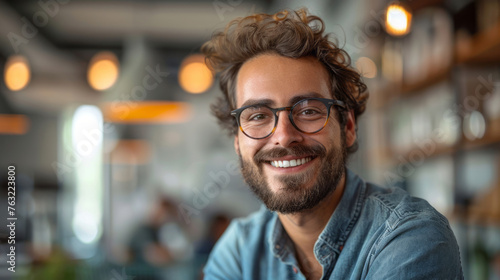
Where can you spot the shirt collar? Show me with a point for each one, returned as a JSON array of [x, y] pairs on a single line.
[[280, 244], [337, 230], [344, 217]]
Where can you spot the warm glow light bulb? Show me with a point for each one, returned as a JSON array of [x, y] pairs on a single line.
[[398, 20], [194, 75], [17, 73], [103, 71]]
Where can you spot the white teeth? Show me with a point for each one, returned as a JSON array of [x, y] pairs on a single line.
[[290, 163]]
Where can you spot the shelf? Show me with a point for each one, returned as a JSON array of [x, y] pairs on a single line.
[[486, 207], [490, 139], [394, 156], [440, 150], [390, 93], [487, 140], [483, 48], [431, 79]]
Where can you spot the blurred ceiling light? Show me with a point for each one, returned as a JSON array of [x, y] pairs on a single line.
[[366, 67], [194, 75], [103, 71], [17, 73], [147, 112], [398, 20], [13, 124]]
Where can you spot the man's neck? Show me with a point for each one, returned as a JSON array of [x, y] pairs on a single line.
[[305, 227]]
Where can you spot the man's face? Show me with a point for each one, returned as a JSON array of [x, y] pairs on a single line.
[[276, 81]]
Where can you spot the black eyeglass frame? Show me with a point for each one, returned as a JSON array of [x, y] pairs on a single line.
[[327, 102]]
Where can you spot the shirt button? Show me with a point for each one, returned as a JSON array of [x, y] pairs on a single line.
[[295, 269], [277, 246]]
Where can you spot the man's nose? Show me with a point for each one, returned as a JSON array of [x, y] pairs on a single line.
[[286, 134]]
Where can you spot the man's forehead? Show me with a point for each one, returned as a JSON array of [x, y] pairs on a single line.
[[277, 79]]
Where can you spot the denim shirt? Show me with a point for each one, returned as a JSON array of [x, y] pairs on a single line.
[[374, 233]]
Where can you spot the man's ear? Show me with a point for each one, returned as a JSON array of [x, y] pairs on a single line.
[[236, 144], [350, 129]]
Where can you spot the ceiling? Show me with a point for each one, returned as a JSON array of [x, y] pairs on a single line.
[[60, 38]]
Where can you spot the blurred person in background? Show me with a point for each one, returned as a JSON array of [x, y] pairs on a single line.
[[216, 227], [158, 242], [291, 101]]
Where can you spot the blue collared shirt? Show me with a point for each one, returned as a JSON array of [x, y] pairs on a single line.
[[374, 233]]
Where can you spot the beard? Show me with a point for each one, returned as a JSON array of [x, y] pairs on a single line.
[[293, 196]]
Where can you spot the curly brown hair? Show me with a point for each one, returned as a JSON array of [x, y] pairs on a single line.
[[293, 34]]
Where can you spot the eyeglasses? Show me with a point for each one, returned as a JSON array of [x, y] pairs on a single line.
[[307, 116]]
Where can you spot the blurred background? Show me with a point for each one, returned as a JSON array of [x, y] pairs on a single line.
[[121, 172]]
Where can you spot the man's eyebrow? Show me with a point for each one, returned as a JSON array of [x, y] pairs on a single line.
[[270, 102], [297, 98], [267, 102]]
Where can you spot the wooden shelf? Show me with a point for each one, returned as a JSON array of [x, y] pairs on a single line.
[[440, 150], [488, 140], [483, 48], [393, 156], [431, 79], [485, 207]]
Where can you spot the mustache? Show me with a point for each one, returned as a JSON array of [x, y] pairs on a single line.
[[297, 151]]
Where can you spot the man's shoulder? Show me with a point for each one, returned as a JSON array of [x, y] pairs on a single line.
[[410, 230], [398, 205]]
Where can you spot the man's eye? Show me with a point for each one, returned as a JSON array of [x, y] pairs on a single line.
[[258, 117], [309, 112]]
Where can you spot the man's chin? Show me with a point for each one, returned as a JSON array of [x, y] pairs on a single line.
[[288, 205], [280, 188]]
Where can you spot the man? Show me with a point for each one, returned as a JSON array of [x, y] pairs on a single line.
[[291, 101]]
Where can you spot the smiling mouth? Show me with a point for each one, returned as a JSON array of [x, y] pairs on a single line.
[[290, 163]]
